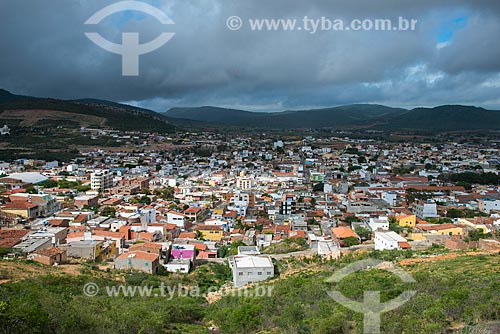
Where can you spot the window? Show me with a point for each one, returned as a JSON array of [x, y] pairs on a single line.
[[259, 273], [240, 274]]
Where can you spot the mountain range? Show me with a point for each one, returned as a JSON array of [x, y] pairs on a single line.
[[18, 110], [360, 116], [28, 111]]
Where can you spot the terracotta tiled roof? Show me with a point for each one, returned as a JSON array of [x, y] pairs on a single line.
[[140, 255], [50, 251], [344, 232]]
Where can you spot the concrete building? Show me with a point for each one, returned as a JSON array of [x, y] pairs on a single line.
[[425, 210], [95, 250], [380, 223], [176, 218], [140, 261], [329, 249], [250, 268], [49, 256], [30, 245], [488, 205], [390, 240], [86, 200], [101, 179], [178, 266]]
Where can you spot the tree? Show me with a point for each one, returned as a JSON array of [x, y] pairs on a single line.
[[198, 235], [394, 225], [350, 241], [31, 190], [108, 211], [48, 183], [454, 213], [351, 219], [363, 233]]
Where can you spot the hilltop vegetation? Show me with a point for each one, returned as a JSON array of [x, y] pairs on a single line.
[[16, 110], [455, 295], [358, 116]]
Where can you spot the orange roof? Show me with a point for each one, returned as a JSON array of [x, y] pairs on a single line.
[[13, 234], [192, 209], [170, 226], [201, 247], [436, 227], [50, 251], [404, 244], [203, 227], [344, 232], [19, 205], [187, 235], [147, 244], [140, 255], [298, 234]]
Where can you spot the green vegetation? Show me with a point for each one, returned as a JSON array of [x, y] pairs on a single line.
[[465, 213], [439, 220], [472, 178], [351, 219], [287, 245], [230, 250], [166, 193], [108, 211], [451, 294], [318, 187], [350, 241], [363, 233]]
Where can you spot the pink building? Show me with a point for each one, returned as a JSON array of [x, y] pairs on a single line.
[[183, 251]]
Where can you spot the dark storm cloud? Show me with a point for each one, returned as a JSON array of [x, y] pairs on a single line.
[[453, 57]]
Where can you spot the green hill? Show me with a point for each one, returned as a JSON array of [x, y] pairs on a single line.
[[455, 294], [366, 116], [446, 118], [21, 111]]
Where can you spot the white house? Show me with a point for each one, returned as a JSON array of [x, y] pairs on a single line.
[[250, 268], [177, 218], [390, 240], [218, 222], [327, 248], [488, 205], [380, 223]]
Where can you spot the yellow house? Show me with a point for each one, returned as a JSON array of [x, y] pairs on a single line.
[[210, 232], [416, 236], [105, 250], [407, 220], [218, 212], [24, 209], [441, 229]]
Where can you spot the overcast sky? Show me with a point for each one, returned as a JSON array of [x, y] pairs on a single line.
[[453, 57]]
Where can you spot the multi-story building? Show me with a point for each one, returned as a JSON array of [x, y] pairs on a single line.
[[488, 205], [101, 179], [425, 210]]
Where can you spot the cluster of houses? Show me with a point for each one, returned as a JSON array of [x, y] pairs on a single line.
[[155, 210]]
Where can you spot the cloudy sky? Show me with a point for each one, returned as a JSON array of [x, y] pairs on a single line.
[[453, 56]]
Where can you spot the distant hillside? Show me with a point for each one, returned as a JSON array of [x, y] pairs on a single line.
[[344, 116], [21, 111], [447, 118], [368, 116]]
